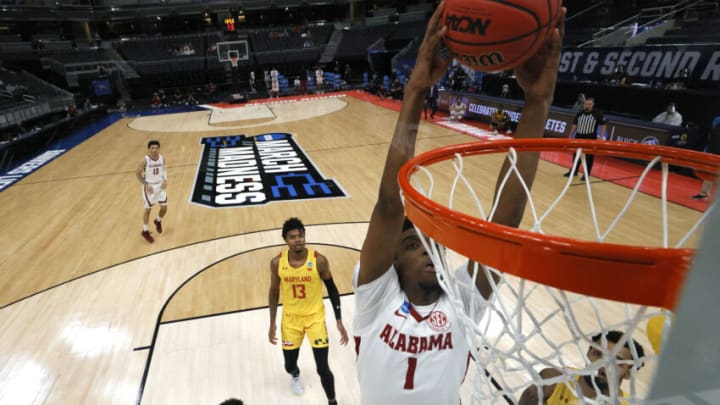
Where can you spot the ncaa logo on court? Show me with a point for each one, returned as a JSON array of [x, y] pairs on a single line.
[[438, 321], [243, 170]]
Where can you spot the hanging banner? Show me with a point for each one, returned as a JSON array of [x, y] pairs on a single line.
[[644, 64]]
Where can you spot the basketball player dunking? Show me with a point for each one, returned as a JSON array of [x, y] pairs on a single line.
[[152, 173], [410, 347], [300, 273]]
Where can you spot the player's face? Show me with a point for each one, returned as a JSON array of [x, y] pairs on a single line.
[[154, 151], [295, 239], [622, 370], [413, 261], [588, 105]]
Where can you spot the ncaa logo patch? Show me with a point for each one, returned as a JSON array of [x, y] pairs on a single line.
[[245, 170], [438, 321]]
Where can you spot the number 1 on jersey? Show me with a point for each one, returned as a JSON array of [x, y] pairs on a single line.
[[410, 375]]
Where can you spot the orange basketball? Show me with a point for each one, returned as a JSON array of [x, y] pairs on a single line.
[[495, 35]]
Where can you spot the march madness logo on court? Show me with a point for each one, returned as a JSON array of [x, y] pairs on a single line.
[[240, 170]]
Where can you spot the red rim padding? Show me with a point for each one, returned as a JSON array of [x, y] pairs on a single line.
[[640, 275]]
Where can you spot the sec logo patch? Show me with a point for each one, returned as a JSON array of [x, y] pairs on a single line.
[[438, 321]]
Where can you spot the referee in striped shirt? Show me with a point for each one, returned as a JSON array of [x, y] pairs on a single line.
[[585, 126]]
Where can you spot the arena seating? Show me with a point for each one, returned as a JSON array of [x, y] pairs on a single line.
[[703, 31], [356, 41]]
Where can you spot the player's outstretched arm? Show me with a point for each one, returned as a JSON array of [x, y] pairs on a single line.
[[387, 217], [537, 77], [273, 298]]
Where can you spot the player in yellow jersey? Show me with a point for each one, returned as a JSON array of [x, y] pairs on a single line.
[[300, 273], [501, 120], [589, 385]]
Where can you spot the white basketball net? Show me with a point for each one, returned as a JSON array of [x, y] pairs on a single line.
[[528, 327]]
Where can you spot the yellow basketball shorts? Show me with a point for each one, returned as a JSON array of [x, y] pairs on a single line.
[[295, 327]]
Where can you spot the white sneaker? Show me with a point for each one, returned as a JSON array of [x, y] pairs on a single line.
[[508, 132], [296, 385]]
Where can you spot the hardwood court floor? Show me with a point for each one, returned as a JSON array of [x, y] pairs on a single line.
[[91, 313]]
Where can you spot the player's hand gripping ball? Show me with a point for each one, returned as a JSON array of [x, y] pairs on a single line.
[[495, 35]]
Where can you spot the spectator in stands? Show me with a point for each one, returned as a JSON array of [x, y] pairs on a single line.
[[303, 85], [190, 99], [211, 90], [346, 73], [156, 102], [396, 89], [619, 76], [458, 77], [251, 82], [505, 92], [71, 110], [121, 106], [319, 78], [669, 117], [187, 49], [178, 97], [296, 84], [579, 103], [378, 89], [681, 80]]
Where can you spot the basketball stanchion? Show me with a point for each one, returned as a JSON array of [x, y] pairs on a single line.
[[559, 296]]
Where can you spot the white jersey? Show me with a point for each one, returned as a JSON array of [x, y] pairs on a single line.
[[407, 354], [154, 170], [319, 76]]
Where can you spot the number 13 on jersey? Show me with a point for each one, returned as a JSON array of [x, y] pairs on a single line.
[[298, 290]]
